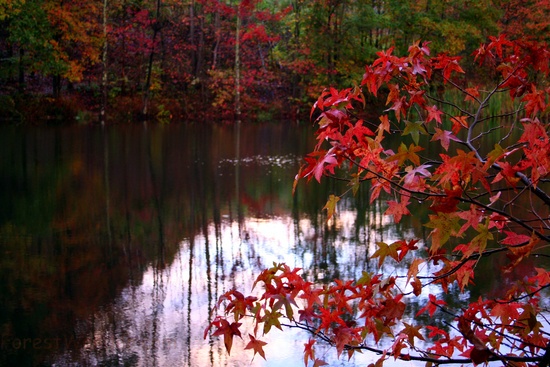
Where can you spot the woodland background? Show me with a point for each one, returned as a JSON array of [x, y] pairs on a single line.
[[211, 60]]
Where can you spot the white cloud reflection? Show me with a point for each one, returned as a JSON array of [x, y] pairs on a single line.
[[161, 322]]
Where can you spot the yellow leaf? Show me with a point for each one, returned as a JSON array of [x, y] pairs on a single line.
[[330, 206]]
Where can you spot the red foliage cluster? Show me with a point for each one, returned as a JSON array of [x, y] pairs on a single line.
[[483, 200]]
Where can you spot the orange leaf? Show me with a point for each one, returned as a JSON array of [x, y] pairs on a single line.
[[459, 122], [413, 268], [417, 286], [257, 345], [384, 124], [411, 332]]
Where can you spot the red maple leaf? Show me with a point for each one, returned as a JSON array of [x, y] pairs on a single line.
[[444, 136], [536, 101], [405, 247], [398, 209], [309, 352], [448, 64], [508, 172], [414, 179], [431, 306], [434, 114], [238, 304], [472, 218], [498, 43], [515, 239], [435, 331], [228, 331], [315, 167], [472, 94], [447, 203], [399, 107], [398, 345], [329, 318], [256, 345]]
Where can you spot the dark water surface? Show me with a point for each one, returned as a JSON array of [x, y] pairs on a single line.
[[115, 243]]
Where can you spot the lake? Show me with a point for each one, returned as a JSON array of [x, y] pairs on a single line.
[[116, 242]]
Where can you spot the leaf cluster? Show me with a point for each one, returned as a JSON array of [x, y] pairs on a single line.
[[485, 199]]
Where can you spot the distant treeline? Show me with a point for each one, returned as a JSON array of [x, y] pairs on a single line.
[[166, 60]]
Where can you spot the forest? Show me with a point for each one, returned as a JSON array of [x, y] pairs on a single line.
[[209, 60], [438, 110]]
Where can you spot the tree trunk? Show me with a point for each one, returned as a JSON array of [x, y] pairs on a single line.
[[21, 71], [102, 116], [192, 37], [56, 85], [147, 87], [238, 67], [200, 48], [218, 36]]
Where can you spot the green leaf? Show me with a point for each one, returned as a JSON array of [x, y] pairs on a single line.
[[271, 319], [444, 225], [480, 241], [404, 153], [495, 154], [383, 251], [366, 278], [414, 129], [355, 183]]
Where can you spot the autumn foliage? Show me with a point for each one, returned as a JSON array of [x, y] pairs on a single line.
[[486, 196], [181, 56]]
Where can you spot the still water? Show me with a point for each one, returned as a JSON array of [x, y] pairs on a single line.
[[115, 243]]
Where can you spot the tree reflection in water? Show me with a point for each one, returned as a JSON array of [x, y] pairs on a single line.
[[118, 242], [161, 321]]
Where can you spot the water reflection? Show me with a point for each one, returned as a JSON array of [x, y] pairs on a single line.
[[161, 321], [116, 243], [100, 228]]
